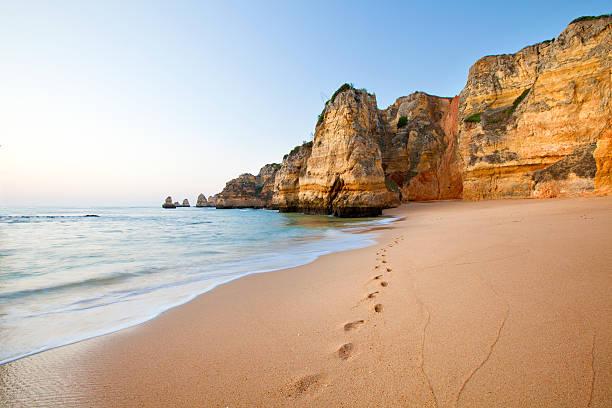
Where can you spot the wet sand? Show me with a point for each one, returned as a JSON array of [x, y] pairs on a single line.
[[471, 304]]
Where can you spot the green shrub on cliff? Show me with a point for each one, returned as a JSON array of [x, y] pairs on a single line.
[[343, 87], [402, 121], [519, 99], [473, 118], [588, 18], [293, 151]]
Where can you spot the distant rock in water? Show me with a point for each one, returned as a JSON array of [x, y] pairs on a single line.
[[168, 203], [176, 204], [185, 203], [202, 201], [91, 215], [212, 201]]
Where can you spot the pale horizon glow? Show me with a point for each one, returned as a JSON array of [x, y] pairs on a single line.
[[124, 104]]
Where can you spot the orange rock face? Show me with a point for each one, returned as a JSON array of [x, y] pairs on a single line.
[[420, 155], [344, 174], [537, 123], [287, 182]]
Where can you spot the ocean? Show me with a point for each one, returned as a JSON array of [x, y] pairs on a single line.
[[66, 276]]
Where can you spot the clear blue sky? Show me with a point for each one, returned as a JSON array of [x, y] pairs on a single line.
[[125, 102]]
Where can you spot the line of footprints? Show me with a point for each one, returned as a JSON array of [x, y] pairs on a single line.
[[382, 265]]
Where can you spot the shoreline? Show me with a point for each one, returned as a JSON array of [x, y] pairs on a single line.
[[364, 227], [467, 318]]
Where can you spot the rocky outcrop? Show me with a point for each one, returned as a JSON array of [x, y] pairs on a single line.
[[537, 123], [249, 191], [344, 174], [266, 179], [241, 192], [185, 203], [202, 202], [419, 147], [287, 183], [168, 203], [212, 201]]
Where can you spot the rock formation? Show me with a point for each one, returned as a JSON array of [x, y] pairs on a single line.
[[212, 201], [185, 203], [202, 202], [537, 123], [287, 183], [419, 146], [344, 174], [249, 191], [168, 203], [265, 179]]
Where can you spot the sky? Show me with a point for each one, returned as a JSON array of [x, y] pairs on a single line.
[[123, 103]]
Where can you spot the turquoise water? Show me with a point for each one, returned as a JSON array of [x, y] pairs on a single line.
[[65, 277]]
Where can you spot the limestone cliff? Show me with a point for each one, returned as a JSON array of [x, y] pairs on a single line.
[[419, 147], [241, 192], [265, 179], [344, 174], [287, 183], [249, 191], [537, 123]]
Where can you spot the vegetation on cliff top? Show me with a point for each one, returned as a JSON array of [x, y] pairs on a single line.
[[293, 151], [588, 18], [344, 87]]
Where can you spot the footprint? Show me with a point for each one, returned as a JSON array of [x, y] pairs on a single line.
[[383, 261], [377, 266], [389, 269], [304, 384], [384, 284], [372, 295], [378, 277], [345, 351], [353, 325], [378, 308]]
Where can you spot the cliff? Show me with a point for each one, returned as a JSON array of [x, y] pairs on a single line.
[[249, 191], [287, 183], [344, 174], [419, 147], [537, 123]]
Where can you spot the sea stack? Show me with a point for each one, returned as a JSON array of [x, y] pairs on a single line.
[[168, 203], [202, 201], [185, 203]]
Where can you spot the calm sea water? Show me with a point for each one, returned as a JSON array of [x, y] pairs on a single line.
[[66, 277]]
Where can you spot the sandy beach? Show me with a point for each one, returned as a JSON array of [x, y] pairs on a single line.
[[470, 304]]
